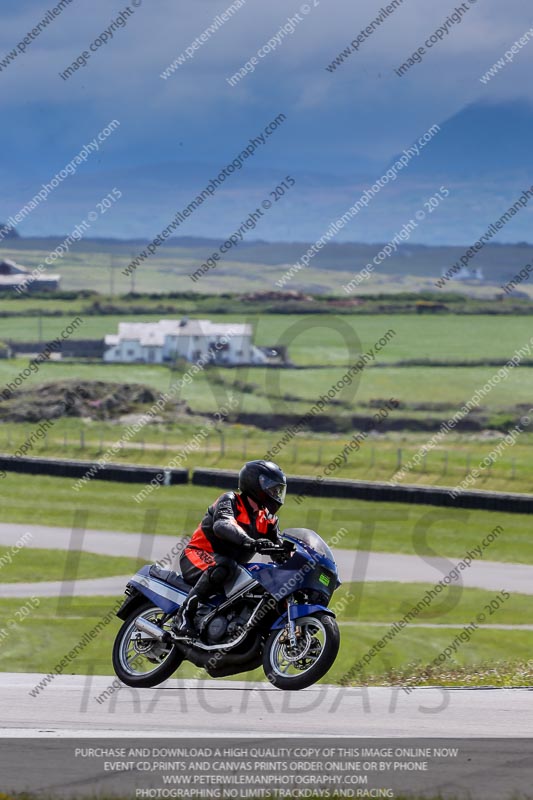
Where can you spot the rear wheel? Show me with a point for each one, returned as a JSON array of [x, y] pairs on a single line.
[[316, 649], [140, 660]]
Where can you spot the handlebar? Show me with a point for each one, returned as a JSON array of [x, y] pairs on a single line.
[[274, 549]]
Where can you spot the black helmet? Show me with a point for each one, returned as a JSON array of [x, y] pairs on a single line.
[[265, 483]]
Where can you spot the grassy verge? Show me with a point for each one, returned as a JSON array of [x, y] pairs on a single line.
[[498, 673], [406, 660], [386, 602], [33, 565]]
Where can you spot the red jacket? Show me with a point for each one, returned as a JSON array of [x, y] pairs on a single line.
[[229, 523]]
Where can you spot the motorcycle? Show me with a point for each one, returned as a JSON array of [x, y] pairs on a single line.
[[275, 614]]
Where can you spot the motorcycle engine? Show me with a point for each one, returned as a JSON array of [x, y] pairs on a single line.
[[228, 627], [216, 630], [239, 620]]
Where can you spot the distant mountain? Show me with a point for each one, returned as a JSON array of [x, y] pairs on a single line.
[[482, 154], [482, 142], [7, 232]]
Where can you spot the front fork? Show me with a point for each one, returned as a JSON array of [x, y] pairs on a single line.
[[291, 625]]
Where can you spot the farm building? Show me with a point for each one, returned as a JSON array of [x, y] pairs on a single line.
[[466, 274], [14, 276], [191, 339]]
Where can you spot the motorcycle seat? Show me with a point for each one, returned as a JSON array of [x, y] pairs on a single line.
[[170, 577]]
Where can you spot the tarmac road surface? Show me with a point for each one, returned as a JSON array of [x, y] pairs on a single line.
[[68, 706]]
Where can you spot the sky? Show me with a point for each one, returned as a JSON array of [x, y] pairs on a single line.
[[343, 128]]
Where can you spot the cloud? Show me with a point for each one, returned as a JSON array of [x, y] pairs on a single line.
[[348, 122]]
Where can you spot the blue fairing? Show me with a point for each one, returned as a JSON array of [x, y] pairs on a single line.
[[300, 610], [165, 597], [301, 571], [253, 567]]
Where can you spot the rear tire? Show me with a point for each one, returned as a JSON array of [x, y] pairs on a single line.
[[128, 655], [313, 657]]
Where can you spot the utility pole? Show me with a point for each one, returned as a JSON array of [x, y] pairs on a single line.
[[132, 275], [111, 275]]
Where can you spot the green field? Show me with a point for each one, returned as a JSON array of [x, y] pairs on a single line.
[[328, 339], [295, 392], [413, 386], [386, 527]]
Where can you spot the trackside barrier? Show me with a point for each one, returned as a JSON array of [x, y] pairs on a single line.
[[381, 492], [298, 484], [66, 468]]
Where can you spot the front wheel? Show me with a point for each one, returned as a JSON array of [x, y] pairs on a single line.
[[139, 660], [316, 649]]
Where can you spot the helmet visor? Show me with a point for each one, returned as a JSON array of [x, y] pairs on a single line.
[[273, 488]]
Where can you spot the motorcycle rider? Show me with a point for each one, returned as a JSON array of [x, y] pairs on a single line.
[[234, 528]]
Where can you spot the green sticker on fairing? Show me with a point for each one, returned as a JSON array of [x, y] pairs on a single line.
[[325, 579]]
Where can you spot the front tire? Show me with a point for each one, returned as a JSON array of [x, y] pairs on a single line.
[[135, 654], [316, 650]]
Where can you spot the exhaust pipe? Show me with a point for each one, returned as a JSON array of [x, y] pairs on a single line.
[[201, 658], [152, 630]]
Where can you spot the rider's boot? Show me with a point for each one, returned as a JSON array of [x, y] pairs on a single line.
[[185, 621], [199, 594]]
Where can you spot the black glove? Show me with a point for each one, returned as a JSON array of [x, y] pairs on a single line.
[[262, 544], [287, 549], [248, 544]]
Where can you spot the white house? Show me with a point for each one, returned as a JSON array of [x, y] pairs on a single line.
[[191, 339], [15, 276]]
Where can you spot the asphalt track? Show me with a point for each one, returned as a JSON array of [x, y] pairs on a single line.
[[353, 565], [187, 707]]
